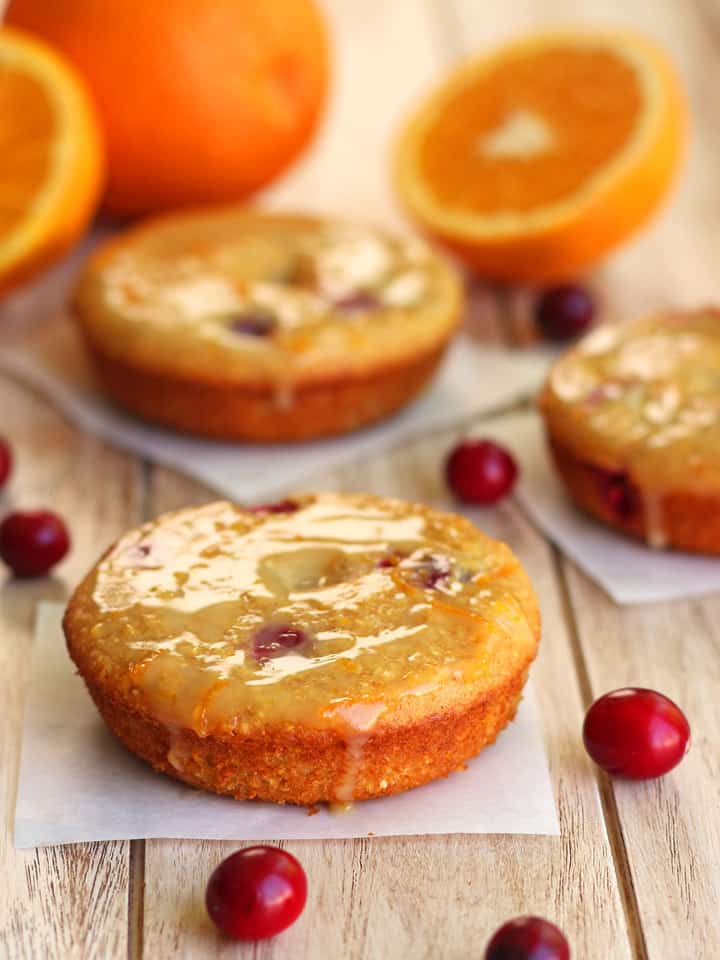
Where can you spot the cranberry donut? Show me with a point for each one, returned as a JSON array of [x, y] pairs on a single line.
[[327, 648], [241, 325], [633, 420]]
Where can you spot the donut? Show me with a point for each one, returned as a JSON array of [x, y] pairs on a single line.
[[326, 648], [248, 326], [632, 415]]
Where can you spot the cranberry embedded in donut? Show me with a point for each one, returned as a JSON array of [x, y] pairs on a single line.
[[429, 571], [274, 639], [388, 561], [360, 301], [391, 559], [252, 324], [138, 552], [618, 493], [280, 506]]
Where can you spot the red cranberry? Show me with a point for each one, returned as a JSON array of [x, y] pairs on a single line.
[[253, 324], [256, 893], [276, 638], [388, 561], [281, 506], [430, 571], [636, 733], [528, 938], [33, 541], [6, 461], [619, 493], [360, 301], [564, 312], [480, 471]]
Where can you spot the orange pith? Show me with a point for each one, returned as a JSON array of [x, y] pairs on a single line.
[[533, 162], [557, 87]]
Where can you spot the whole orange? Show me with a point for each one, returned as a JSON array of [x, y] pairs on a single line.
[[200, 101]]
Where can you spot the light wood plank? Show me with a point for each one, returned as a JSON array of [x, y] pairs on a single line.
[[69, 901]]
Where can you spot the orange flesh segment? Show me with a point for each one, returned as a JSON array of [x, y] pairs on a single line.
[[584, 105], [26, 139]]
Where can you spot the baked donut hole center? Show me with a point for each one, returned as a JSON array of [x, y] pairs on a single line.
[[305, 569]]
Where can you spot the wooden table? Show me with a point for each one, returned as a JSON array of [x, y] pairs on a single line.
[[636, 872]]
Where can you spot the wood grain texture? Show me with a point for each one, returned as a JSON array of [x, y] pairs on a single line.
[[670, 827], [69, 901]]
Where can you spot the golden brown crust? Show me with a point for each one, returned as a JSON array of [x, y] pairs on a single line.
[[231, 411], [683, 520], [304, 766]]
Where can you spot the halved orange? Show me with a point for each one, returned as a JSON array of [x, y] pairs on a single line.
[[51, 159], [533, 162]]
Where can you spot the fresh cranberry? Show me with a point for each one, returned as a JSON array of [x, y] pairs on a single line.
[[276, 638], [618, 493], [528, 938], [636, 733], [256, 893], [564, 312], [480, 471], [253, 324], [280, 506], [360, 301], [6, 461], [33, 541]]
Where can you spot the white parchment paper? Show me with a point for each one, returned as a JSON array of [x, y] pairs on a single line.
[[78, 784], [628, 570], [473, 379]]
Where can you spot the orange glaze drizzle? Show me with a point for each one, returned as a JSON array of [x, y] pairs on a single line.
[[435, 602], [199, 714], [503, 571], [138, 670]]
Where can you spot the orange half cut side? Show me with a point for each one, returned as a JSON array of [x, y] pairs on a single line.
[[532, 163], [51, 160]]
